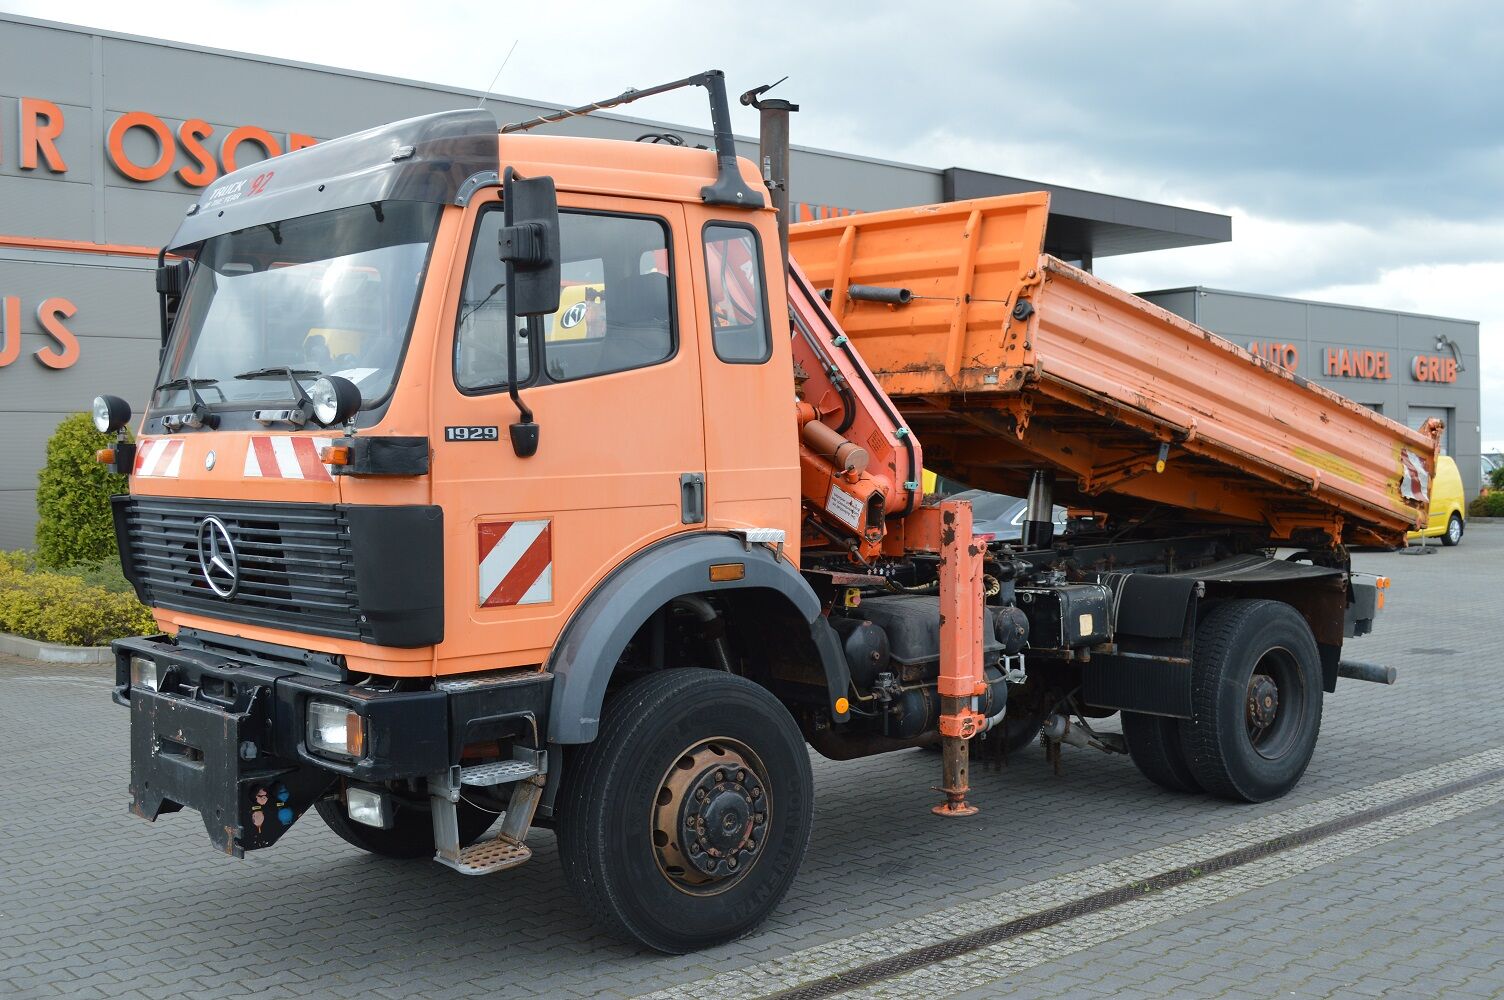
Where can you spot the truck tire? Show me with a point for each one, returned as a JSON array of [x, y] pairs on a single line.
[[1256, 693], [1155, 747], [684, 754], [1454, 530], [411, 835]]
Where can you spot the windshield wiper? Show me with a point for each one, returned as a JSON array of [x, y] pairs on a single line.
[[185, 383], [302, 407], [198, 414], [283, 370]]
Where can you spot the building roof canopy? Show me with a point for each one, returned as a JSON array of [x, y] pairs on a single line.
[[1085, 224]]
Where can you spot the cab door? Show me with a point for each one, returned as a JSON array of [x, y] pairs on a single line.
[[751, 433], [613, 380]]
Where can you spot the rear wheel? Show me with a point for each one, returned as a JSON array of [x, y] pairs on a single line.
[[1155, 747], [411, 835], [685, 821], [1454, 530], [1256, 692]]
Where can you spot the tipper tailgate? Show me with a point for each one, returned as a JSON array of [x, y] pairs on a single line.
[[1006, 359]]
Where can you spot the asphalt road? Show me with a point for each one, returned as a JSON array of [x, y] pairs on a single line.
[[1407, 901]]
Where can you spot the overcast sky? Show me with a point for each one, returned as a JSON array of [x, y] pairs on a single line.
[[1359, 147]]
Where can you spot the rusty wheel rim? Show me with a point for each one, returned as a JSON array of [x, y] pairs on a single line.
[[711, 816], [1274, 708]]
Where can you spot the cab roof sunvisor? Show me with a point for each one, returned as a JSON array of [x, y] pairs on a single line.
[[425, 159]]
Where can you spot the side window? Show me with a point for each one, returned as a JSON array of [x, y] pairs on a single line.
[[480, 338], [738, 307], [615, 306]]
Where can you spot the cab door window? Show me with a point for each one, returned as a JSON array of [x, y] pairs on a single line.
[[615, 307], [738, 310]]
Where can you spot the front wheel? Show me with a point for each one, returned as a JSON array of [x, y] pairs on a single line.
[[685, 821], [1256, 694], [1454, 530]]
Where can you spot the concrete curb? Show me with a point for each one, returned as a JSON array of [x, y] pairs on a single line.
[[48, 652]]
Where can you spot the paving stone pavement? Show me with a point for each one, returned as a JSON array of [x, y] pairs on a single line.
[[95, 903]]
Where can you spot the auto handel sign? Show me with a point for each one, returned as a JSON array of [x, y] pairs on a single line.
[[141, 148]]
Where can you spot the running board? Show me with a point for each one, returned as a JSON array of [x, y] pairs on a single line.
[[508, 848]]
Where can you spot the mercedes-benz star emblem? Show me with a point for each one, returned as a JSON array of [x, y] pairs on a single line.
[[217, 558]]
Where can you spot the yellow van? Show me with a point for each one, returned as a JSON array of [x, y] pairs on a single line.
[[1448, 516]]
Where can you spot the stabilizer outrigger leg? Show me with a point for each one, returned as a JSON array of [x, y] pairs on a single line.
[[962, 610]]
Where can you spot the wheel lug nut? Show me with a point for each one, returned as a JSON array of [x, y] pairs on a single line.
[[720, 775], [741, 775], [700, 794]]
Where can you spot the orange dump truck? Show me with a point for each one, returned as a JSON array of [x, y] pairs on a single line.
[[472, 487]]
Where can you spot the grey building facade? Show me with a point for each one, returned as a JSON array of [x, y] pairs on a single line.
[[107, 139]]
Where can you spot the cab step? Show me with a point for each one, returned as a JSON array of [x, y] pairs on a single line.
[[508, 848], [486, 856], [498, 772]]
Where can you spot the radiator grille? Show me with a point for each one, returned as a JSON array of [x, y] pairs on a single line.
[[296, 563]]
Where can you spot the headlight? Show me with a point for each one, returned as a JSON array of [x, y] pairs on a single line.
[[110, 413], [336, 729], [143, 673], [334, 400], [371, 808]]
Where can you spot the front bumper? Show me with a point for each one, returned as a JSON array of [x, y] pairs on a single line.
[[226, 737]]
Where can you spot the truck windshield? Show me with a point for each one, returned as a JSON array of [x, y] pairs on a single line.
[[332, 293]]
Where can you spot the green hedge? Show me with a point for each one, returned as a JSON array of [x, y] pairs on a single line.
[[1491, 505], [85, 605], [74, 523]]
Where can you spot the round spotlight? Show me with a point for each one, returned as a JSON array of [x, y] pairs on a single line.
[[111, 413], [334, 399]]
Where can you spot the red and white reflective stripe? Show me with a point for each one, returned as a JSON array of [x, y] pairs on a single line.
[[284, 456], [1415, 484], [516, 563], [160, 457]]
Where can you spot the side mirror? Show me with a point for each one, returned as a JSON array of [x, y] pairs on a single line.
[[172, 282], [529, 244]]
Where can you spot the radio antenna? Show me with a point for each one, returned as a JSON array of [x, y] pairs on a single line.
[[492, 86]]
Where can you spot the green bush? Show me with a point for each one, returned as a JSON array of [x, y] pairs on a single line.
[[1496, 478], [81, 606], [74, 523], [1491, 505]]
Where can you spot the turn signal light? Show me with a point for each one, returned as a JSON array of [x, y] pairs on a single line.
[[726, 572], [335, 454], [843, 706], [105, 456], [1382, 584]]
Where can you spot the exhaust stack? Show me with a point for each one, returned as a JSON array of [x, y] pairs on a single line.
[[773, 154]]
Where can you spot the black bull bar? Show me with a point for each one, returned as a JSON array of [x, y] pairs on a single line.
[[227, 738]]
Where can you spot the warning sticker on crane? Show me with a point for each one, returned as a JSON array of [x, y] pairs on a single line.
[[516, 563], [846, 508]]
